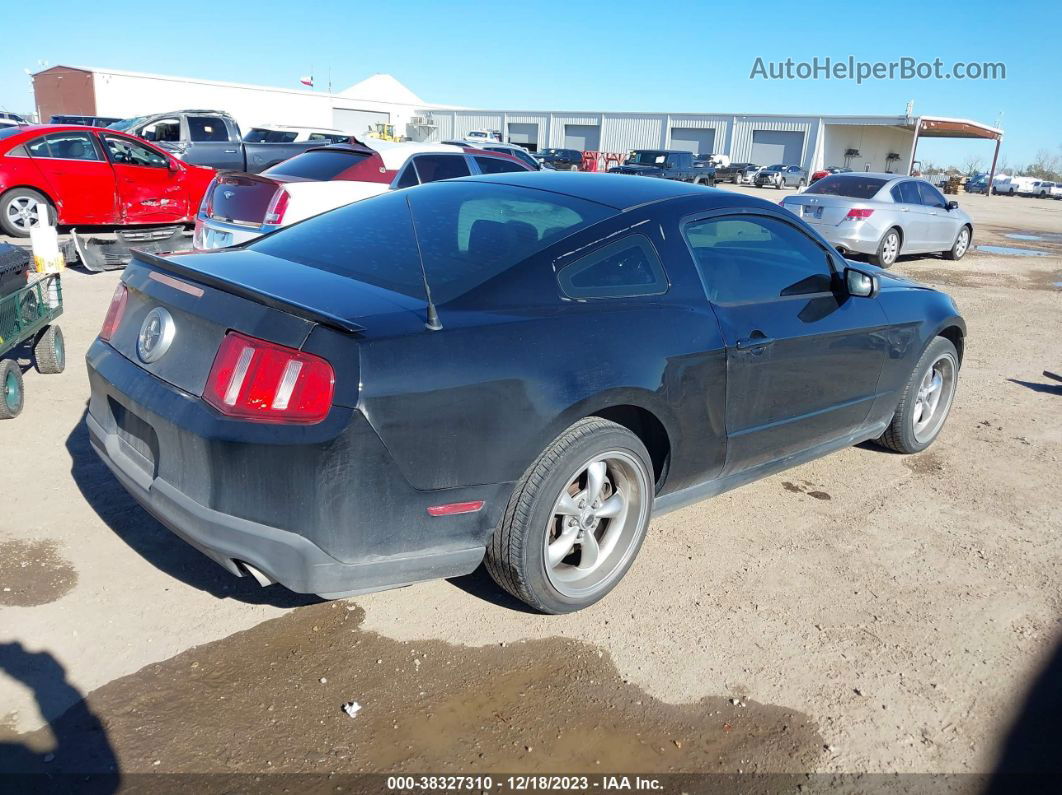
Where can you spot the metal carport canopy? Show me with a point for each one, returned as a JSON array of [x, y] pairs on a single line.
[[941, 127]]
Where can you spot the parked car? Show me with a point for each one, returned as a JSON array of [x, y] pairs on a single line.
[[238, 207], [209, 138], [883, 216], [1056, 191], [8, 119], [977, 184], [1014, 186], [84, 121], [738, 173], [1041, 189], [781, 176], [825, 172], [482, 136], [560, 159], [287, 134], [666, 164], [312, 418], [513, 150], [90, 175]]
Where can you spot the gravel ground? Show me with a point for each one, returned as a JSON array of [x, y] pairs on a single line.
[[865, 612]]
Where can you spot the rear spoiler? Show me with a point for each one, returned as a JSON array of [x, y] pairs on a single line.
[[299, 310]]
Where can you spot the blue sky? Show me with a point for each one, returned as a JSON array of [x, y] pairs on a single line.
[[677, 56]]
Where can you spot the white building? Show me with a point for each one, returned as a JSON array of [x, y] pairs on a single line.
[[91, 91]]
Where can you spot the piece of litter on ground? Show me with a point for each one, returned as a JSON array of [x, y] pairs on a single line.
[[323, 680], [351, 708]]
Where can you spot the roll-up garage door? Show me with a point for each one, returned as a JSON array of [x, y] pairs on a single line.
[[358, 122], [770, 147], [692, 139], [584, 137], [524, 134]]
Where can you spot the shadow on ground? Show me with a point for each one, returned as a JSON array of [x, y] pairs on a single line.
[[1036, 386], [153, 542], [80, 751]]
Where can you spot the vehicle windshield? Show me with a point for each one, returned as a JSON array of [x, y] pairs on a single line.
[[778, 167], [469, 232], [125, 124], [260, 135], [647, 157], [854, 186], [319, 165]]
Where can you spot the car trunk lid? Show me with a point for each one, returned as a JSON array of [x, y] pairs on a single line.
[[243, 198], [823, 210]]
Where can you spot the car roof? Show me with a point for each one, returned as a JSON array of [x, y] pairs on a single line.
[[619, 191], [42, 129]]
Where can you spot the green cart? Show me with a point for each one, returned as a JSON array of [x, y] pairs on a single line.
[[27, 320]]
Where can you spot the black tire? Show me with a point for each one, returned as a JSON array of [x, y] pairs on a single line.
[[11, 394], [887, 254], [19, 194], [49, 354], [516, 553], [960, 247], [901, 434]]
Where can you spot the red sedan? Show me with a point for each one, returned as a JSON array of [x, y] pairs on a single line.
[[87, 175]]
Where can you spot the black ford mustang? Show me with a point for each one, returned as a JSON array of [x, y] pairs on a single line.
[[594, 349]]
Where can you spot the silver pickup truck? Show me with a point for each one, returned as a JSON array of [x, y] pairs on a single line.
[[209, 138]]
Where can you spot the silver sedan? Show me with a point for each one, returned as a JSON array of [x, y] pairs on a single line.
[[883, 216]]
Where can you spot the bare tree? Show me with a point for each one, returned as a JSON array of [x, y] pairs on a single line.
[[972, 164]]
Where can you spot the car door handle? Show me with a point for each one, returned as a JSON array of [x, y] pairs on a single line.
[[230, 151], [754, 342], [905, 209]]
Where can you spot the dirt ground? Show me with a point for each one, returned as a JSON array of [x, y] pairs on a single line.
[[866, 612]]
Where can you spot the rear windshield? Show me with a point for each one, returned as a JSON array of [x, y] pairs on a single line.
[[851, 185], [469, 232], [7, 132], [319, 165]]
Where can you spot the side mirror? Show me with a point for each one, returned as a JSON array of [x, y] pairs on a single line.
[[860, 284], [171, 164], [953, 205]]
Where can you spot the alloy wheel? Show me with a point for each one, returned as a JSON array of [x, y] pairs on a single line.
[[962, 243], [890, 247], [23, 212], [595, 524], [933, 400]]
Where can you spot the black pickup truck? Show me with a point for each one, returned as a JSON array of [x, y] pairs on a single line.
[[209, 138], [666, 164], [738, 173]]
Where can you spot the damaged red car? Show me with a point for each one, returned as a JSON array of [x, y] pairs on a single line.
[[73, 175]]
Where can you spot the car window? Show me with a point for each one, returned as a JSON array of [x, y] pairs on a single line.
[[38, 147], [162, 130], [408, 177], [432, 168], [334, 138], [71, 146], [129, 153], [469, 232], [320, 165], [756, 259], [931, 197], [623, 269], [207, 128], [906, 193], [851, 185], [259, 136], [497, 165]]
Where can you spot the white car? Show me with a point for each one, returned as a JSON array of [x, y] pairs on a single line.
[[481, 136], [239, 207], [1042, 189], [289, 134], [1016, 186]]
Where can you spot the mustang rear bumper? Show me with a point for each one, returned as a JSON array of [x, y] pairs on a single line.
[[331, 516]]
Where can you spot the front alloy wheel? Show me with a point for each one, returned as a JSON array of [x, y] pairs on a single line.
[[961, 246], [576, 520], [926, 400]]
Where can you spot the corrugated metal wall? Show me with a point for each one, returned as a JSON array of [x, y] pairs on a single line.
[[744, 126], [624, 132]]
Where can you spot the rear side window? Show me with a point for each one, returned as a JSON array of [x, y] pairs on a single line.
[[408, 177], [624, 269], [71, 146], [468, 232], [207, 128], [757, 259], [320, 165], [432, 168], [496, 165], [851, 185], [906, 193]]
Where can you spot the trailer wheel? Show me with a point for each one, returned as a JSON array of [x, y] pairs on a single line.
[[49, 354], [10, 389]]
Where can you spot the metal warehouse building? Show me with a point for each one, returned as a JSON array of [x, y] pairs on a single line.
[[874, 143]]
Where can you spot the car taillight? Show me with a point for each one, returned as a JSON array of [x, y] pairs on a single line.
[[859, 213], [114, 312], [207, 206], [278, 205], [258, 380]]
